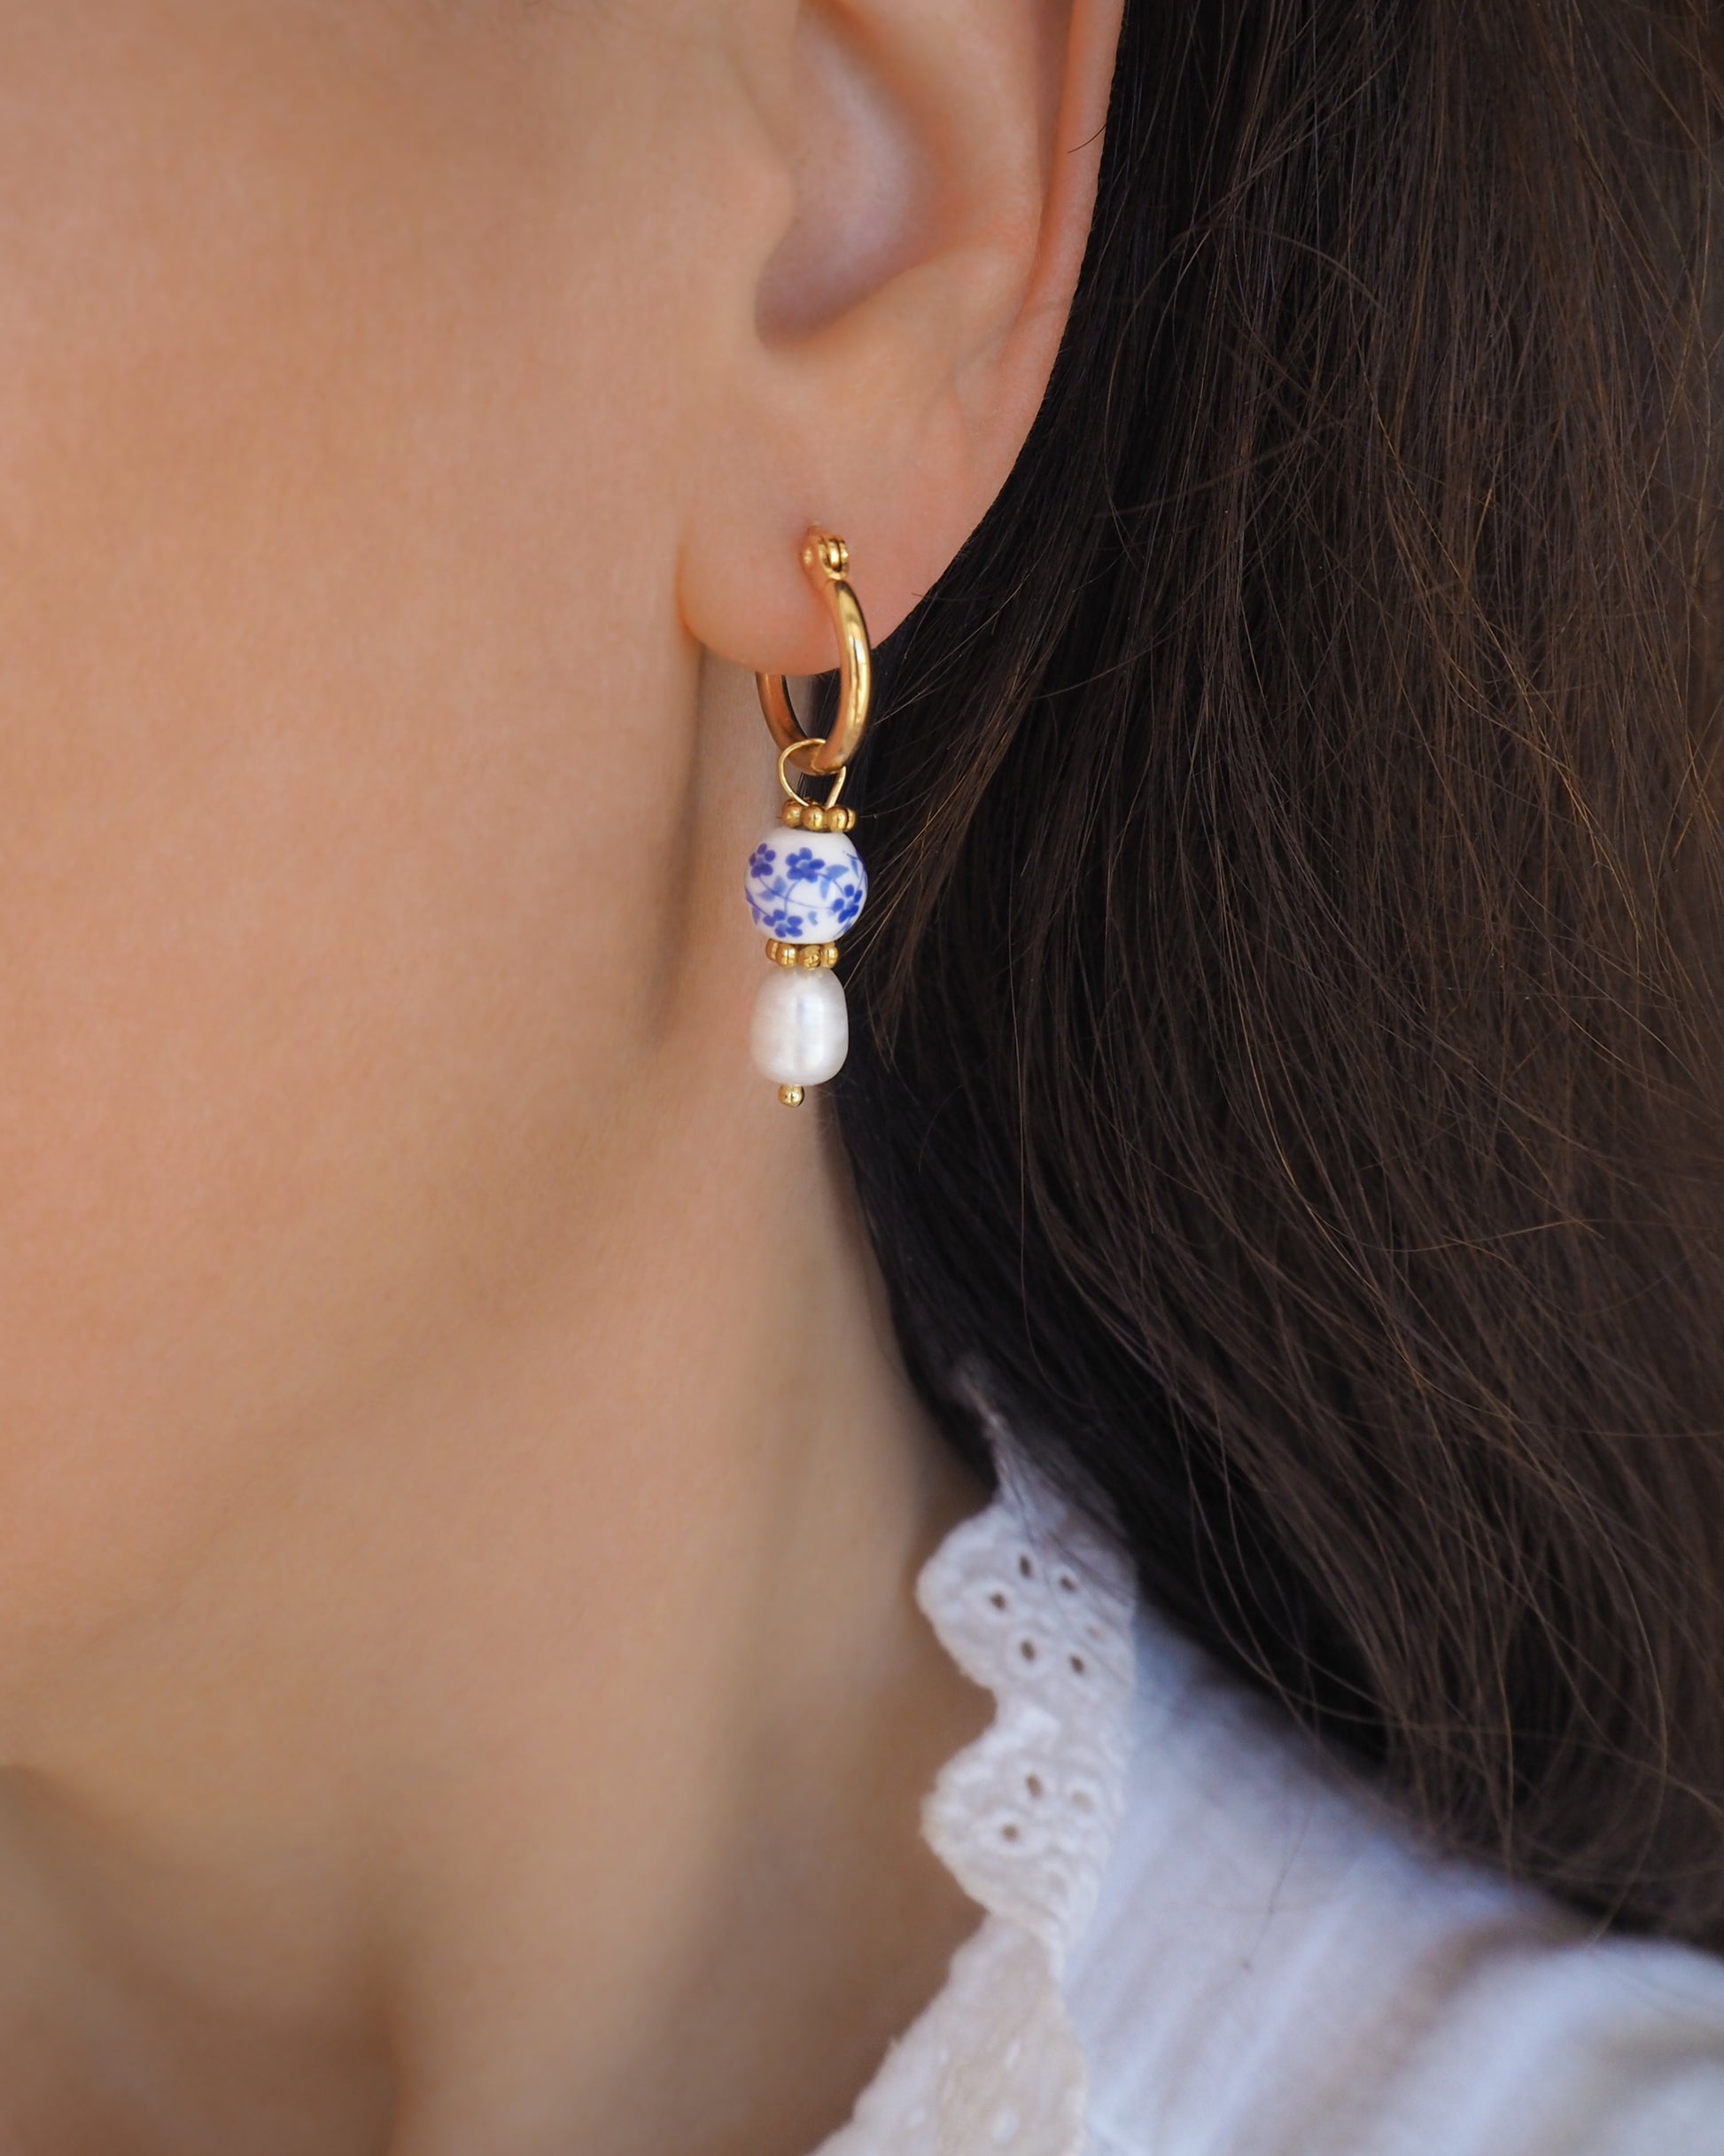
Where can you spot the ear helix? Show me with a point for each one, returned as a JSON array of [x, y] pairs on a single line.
[[805, 883]]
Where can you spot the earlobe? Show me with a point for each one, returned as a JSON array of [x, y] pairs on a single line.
[[944, 155]]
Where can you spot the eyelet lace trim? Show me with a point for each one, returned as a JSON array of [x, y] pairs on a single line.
[[1031, 1603]]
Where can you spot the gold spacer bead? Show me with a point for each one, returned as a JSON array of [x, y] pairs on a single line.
[[791, 1096], [791, 813], [808, 957], [790, 954], [841, 820], [829, 955], [814, 818]]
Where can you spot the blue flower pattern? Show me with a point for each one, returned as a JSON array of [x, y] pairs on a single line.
[[803, 893]]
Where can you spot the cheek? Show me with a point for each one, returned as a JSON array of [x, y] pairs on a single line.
[[327, 560]]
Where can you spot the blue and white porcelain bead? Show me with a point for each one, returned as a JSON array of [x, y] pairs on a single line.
[[800, 1035], [805, 886]]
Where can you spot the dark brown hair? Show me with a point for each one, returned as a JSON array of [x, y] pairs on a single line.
[[1289, 1043]]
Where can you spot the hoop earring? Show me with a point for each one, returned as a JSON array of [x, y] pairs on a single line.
[[807, 893]]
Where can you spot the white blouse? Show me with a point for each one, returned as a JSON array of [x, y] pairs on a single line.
[[1203, 1937]]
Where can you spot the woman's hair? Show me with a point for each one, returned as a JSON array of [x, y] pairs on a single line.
[[1289, 1054]]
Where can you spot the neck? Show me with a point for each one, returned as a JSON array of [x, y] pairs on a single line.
[[536, 1761]]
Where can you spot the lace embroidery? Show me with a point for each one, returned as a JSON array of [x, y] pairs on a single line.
[[1031, 1603]]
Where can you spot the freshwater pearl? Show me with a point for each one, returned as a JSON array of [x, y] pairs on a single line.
[[805, 886], [800, 1034]]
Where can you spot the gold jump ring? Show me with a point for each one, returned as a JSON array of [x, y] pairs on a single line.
[[826, 559], [809, 741]]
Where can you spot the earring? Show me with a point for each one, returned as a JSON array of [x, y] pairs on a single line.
[[805, 883]]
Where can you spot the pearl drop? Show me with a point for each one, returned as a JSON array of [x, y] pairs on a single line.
[[800, 1034]]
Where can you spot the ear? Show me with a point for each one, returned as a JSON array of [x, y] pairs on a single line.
[[890, 331]]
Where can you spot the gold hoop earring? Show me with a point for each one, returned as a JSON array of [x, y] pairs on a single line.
[[807, 893], [825, 559]]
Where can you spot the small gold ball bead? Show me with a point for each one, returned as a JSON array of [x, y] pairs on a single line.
[[829, 956], [815, 819], [809, 956], [791, 813], [791, 1096], [841, 820], [789, 955]]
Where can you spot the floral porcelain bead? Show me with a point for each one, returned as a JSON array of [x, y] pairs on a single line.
[[801, 1031], [805, 886]]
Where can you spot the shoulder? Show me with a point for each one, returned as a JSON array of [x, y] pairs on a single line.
[[1278, 1967]]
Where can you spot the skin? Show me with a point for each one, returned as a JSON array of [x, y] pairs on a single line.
[[460, 1685]]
